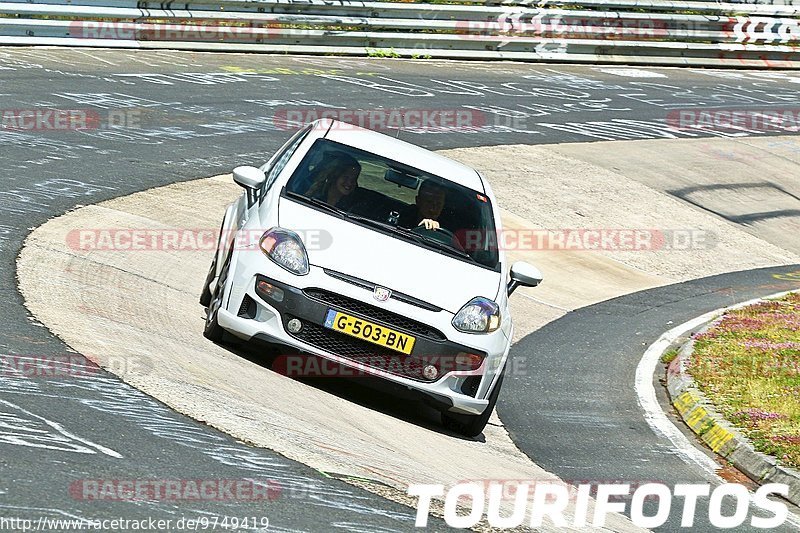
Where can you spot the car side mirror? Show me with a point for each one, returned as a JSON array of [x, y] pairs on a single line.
[[249, 177], [524, 275]]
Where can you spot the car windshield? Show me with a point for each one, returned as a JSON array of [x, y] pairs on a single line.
[[397, 199]]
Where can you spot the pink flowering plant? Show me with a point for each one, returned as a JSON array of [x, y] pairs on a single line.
[[748, 364]]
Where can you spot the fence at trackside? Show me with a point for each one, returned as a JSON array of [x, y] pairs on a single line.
[[757, 33]]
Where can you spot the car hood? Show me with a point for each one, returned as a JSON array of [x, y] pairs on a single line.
[[390, 262]]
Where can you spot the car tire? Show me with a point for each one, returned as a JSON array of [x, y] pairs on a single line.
[[472, 425], [212, 330], [205, 296]]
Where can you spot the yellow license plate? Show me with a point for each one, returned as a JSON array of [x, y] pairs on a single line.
[[369, 332]]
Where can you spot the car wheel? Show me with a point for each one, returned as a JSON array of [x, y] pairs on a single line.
[[212, 330], [472, 425], [205, 296]]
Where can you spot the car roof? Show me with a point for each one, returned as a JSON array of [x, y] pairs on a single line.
[[402, 152]]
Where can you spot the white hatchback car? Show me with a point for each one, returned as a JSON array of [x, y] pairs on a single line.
[[375, 254]]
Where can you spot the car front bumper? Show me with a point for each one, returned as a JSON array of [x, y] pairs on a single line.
[[250, 314]]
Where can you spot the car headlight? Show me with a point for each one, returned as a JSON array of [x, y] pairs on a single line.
[[286, 249], [480, 315]]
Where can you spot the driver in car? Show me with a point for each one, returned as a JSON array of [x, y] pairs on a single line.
[[428, 205]]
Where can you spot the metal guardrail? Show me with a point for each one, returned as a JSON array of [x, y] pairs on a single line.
[[665, 32], [541, 3]]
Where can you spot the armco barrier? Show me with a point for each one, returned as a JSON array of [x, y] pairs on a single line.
[[655, 32]]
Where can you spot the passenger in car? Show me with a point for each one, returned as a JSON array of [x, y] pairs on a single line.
[[336, 179], [428, 205]]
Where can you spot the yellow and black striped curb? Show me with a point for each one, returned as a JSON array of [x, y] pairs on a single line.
[[718, 434]]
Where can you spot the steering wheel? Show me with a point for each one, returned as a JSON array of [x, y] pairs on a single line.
[[442, 235]]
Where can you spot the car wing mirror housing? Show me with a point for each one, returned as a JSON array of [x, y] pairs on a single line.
[[523, 275], [251, 178]]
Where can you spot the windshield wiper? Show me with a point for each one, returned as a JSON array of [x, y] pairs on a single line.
[[413, 235], [385, 225], [378, 223], [316, 202], [447, 247]]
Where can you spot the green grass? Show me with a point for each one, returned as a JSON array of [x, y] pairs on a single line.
[[748, 365], [382, 52], [669, 356]]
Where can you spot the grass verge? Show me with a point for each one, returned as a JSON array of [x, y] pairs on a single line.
[[748, 364]]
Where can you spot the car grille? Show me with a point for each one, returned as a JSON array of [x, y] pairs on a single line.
[[376, 313], [371, 287], [248, 308], [360, 351], [470, 385]]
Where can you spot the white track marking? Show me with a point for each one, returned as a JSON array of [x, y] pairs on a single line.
[[631, 72], [58, 427], [646, 395], [655, 416], [96, 58]]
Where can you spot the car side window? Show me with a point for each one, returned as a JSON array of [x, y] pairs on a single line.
[[280, 161]]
